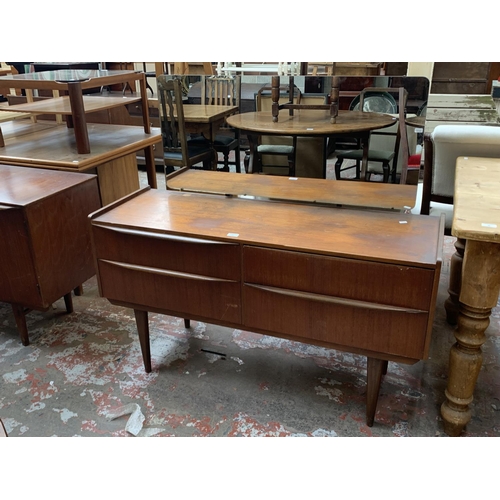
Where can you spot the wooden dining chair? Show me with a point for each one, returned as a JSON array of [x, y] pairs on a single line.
[[223, 91], [178, 151], [393, 142], [272, 150]]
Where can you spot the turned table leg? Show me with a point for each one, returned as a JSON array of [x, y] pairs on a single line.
[[478, 295], [141, 319], [456, 262]]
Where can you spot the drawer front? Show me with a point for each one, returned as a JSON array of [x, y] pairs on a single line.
[[339, 277], [175, 292], [173, 253], [348, 323]]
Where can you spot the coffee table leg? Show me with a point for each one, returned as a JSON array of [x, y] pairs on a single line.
[[141, 319], [78, 116], [149, 156], [478, 295]]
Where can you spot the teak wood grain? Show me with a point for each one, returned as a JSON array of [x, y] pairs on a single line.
[[295, 189], [45, 251], [361, 281], [55, 147]]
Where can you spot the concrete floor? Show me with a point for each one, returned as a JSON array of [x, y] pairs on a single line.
[[81, 368]]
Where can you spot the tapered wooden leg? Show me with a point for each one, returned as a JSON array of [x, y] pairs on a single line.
[[141, 319], [20, 317], [375, 368], [78, 291], [78, 115], [456, 262], [149, 156], [68, 302], [384, 367], [478, 295], [187, 323]]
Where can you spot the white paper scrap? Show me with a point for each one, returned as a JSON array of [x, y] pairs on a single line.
[[135, 421]]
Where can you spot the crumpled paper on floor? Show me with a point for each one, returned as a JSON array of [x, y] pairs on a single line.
[[135, 421]]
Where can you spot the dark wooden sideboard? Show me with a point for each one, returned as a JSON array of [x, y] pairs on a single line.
[[45, 251], [363, 282]]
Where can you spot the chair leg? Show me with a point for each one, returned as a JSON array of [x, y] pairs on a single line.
[[338, 164], [237, 160], [246, 161], [226, 161], [291, 166], [385, 168]]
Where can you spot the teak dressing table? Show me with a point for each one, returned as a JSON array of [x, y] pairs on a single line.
[[359, 281]]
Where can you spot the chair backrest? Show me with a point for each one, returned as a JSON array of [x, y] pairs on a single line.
[[442, 148], [221, 90], [172, 115], [381, 100], [374, 101]]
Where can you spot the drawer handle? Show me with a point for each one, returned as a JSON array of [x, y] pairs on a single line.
[[165, 272], [337, 300], [169, 237]]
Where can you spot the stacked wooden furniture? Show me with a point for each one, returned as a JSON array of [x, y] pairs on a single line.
[[359, 281], [45, 251], [108, 150]]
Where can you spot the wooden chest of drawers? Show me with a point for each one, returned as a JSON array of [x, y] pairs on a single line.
[[364, 282], [45, 251]]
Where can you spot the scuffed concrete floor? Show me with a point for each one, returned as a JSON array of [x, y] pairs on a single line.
[[213, 381]]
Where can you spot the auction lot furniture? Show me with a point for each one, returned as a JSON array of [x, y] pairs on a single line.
[[47, 145], [476, 221], [295, 189], [45, 251], [75, 106], [359, 281]]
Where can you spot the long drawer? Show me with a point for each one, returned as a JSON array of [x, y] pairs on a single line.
[[165, 251], [389, 284], [191, 276], [337, 301]]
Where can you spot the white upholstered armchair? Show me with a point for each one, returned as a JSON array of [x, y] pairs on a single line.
[[442, 148]]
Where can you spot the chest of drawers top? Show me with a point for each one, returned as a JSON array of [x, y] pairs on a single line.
[[374, 236]]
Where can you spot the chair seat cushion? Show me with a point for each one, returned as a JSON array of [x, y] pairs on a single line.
[[192, 151], [224, 140], [275, 149], [220, 140], [373, 155]]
